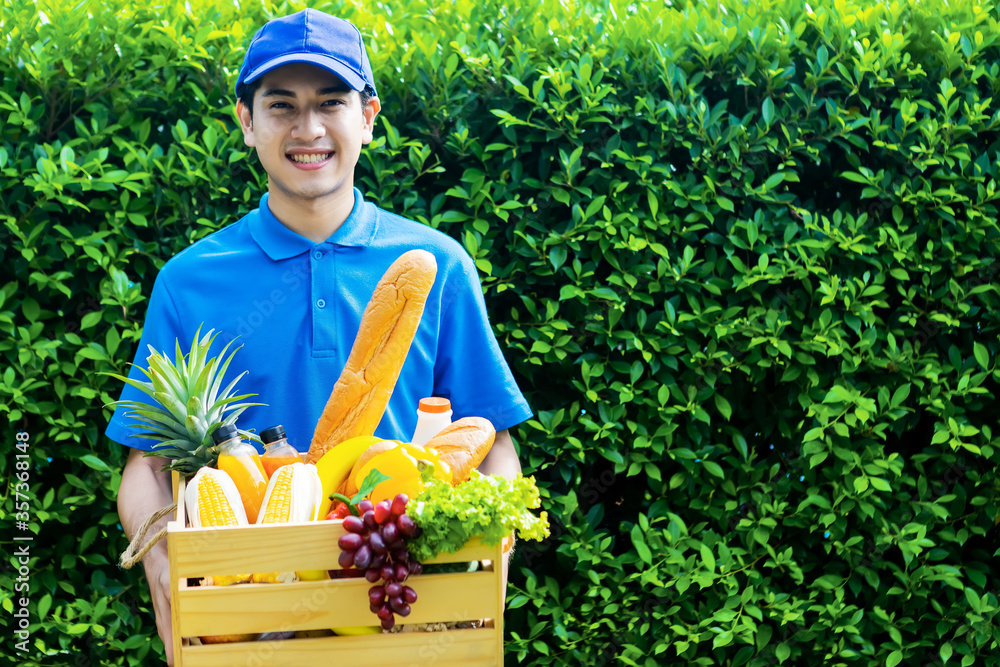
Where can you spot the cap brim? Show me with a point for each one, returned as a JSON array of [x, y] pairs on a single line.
[[330, 64]]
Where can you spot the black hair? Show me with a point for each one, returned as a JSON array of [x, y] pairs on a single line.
[[248, 90], [245, 95]]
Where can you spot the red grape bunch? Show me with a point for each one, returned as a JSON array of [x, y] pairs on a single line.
[[375, 542]]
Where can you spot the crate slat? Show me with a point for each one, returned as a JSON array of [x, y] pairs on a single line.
[[317, 605], [276, 548], [174, 564], [453, 648]]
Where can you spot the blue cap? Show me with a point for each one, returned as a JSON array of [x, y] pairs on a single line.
[[311, 37]]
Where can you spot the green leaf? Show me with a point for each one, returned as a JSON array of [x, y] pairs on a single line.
[[44, 605], [714, 468], [77, 628], [722, 405], [92, 461], [973, 599], [90, 319], [31, 309], [900, 395], [372, 479], [894, 659], [879, 484], [763, 636], [982, 355], [639, 542], [945, 652], [782, 652], [767, 111], [856, 177], [707, 558]]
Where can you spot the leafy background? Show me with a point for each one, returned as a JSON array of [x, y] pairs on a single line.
[[742, 258]]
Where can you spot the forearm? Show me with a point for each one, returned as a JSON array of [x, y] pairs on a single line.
[[502, 459], [144, 490]]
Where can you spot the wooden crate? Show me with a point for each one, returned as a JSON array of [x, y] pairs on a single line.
[[314, 605]]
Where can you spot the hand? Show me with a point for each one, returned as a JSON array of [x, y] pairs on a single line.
[[158, 577], [145, 489]]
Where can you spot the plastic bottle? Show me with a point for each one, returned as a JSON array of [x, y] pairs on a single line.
[[277, 451], [433, 414], [240, 460]]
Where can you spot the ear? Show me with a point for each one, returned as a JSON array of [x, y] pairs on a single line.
[[368, 119], [246, 122]]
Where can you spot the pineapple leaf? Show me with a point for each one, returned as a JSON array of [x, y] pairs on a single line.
[[238, 409], [173, 406], [250, 436], [144, 387], [151, 414], [148, 436], [162, 370], [179, 357], [201, 385], [196, 360], [196, 354], [196, 427], [229, 388], [220, 373], [157, 432], [195, 406]]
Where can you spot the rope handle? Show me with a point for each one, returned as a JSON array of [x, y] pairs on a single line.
[[133, 554]]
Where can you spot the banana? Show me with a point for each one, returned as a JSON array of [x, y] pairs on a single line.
[[334, 466]]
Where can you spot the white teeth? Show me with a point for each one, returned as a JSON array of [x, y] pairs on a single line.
[[307, 159]]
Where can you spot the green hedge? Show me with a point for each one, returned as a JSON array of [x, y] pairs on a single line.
[[742, 258]]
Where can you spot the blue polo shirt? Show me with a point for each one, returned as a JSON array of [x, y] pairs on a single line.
[[295, 306]]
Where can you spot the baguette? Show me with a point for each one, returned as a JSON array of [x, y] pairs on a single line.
[[463, 445], [388, 325]]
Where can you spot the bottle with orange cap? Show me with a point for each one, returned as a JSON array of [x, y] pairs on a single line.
[[433, 414]]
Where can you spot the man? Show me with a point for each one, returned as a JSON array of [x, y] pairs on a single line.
[[290, 280]]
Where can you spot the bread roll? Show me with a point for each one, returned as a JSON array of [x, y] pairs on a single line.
[[388, 325], [463, 445]]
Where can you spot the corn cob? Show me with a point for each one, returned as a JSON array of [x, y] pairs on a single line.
[[212, 500], [293, 494]]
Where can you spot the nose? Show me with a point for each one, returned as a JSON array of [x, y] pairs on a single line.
[[309, 126]]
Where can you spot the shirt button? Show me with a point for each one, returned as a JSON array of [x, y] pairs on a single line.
[[318, 254], [321, 304]]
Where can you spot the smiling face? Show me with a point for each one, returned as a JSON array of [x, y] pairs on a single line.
[[308, 127]]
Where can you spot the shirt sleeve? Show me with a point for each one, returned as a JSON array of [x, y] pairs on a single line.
[[471, 370], [161, 330]]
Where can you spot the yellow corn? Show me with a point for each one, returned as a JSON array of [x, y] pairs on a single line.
[[279, 506], [293, 494], [213, 508], [212, 500]]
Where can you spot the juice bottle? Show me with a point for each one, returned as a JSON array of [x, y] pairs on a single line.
[[433, 414], [277, 451], [240, 460]]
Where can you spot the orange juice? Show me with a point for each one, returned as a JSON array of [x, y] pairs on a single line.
[[277, 450], [240, 461], [272, 463], [250, 478]]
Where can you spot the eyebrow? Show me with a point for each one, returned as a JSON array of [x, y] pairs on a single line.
[[280, 92]]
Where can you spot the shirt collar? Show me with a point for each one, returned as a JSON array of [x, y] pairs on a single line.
[[280, 242], [359, 228]]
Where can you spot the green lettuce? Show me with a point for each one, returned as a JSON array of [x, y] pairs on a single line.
[[488, 506]]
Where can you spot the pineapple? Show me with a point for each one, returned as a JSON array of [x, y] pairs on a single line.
[[187, 404]]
